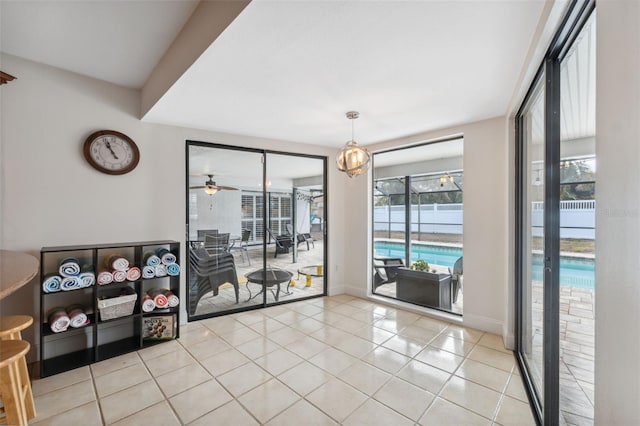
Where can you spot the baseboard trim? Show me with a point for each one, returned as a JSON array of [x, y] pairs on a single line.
[[479, 322]]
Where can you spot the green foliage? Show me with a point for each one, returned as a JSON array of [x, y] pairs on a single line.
[[420, 265]]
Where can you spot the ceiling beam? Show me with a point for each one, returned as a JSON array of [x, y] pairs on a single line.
[[207, 22]]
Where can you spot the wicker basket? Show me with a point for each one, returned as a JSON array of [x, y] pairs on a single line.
[[117, 307]]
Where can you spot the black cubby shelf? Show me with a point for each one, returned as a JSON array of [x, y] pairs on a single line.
[[99, 339]]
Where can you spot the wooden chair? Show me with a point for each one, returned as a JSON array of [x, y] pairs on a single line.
[[15, 386]]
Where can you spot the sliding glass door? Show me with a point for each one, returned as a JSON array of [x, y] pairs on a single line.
[[532, 192], [417, 225], [255, 228], [555, 226]]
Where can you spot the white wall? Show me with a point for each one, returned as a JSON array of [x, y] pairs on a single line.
[[617, 353], [485, 229], [51, 196]]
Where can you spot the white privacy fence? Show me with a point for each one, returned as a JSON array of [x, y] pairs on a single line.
[[434, 218], [577, 218]]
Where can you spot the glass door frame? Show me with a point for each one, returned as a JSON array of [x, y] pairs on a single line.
[[265, 203], [546, 406]]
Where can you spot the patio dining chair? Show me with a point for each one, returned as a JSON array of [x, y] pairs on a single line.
[[456, 279], [244, 245], [215, 244]]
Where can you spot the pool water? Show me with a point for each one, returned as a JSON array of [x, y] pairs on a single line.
[[574, 272]]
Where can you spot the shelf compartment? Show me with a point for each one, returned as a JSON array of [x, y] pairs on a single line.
[[46, 330], [119, 347], [51, 366]]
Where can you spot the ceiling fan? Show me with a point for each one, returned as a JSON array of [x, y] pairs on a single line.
[[211, 188]]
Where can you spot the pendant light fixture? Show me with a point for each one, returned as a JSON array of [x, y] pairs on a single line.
[[352, 158]]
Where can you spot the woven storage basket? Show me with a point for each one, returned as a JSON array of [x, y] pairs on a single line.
[[117, 307]]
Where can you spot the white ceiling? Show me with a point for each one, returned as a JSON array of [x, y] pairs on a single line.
[[291, 69], [116, 41]]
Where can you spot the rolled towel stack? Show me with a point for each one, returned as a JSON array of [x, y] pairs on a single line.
[[160, 263], [77, 316], [172, 299], [58, 320], [51, 283], [70, 276], [69, 267], [166, 257], [120, 270]]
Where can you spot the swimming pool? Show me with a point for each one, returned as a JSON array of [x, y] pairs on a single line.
[[574, 272]]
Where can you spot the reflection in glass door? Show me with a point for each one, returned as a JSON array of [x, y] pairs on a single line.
[[295, 255], [253, 239], [221, 244]]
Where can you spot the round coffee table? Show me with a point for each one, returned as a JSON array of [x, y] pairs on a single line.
[[267, 279]]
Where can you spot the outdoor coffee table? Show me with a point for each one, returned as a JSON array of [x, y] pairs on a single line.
[[313, 270], [273, 276]]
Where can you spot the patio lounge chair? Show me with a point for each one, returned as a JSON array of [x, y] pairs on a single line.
[[283, 242], [385, 270], [301, 237]]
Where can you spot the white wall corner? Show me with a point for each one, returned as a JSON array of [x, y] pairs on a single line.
[[356, 291], [487, 324]]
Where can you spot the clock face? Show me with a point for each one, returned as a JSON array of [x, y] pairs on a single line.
[[111, 152]]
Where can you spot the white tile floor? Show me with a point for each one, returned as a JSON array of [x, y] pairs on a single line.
[[326, 361]]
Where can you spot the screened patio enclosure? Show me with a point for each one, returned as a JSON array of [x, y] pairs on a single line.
[[418, 217]]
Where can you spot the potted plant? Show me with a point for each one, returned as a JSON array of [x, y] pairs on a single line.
[[420, 265]]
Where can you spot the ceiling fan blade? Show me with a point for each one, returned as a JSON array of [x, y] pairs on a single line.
[[197, 187], [228, 188]]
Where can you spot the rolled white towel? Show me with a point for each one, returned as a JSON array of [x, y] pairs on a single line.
[[69, 267], [166, 257], [148, 304], [70, 283], [150, 259], [116, 262], [133, 274], [173, 269], [171, 298], [87, 279], [160, 270], [105, 277], [51, 283], [58, 320], [119, 276], [148, 272], [77, 316]]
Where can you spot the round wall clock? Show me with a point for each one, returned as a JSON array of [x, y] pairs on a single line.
[[111, 152]]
